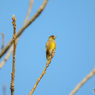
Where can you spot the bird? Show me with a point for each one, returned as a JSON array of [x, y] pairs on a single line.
[[50, 48]]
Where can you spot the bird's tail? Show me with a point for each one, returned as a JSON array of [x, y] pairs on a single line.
[[48, 58]]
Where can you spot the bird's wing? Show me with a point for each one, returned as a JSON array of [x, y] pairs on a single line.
[[50, 48], [47, 45]]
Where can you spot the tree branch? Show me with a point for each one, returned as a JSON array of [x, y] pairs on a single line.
[[24, 27], [11, 48], [7, 55], [44, 71], [82, 82], [13, 71], [29, 11], [3, 42]]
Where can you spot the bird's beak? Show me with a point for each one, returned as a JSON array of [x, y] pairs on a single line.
[[54, 36]]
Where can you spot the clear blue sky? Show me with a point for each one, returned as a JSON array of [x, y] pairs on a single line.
[[73, 22]]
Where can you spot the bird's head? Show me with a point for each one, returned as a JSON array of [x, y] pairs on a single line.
[[52, 37]]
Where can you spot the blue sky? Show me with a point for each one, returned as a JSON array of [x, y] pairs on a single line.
[[73, 22]]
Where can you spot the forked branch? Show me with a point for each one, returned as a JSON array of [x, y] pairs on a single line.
[[24, 27]]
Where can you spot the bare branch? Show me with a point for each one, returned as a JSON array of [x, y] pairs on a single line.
[[29, 10], [13, 71], [4, 89], [7, 56], [24, 27], [11, 48], [44, 71], [82, 82], [3, 42]]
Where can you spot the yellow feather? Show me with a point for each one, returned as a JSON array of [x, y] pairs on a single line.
[[50, 47]]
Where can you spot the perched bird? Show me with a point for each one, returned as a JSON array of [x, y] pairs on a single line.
[[50, 47]]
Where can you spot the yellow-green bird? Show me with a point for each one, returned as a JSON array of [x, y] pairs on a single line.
[[50, 47]]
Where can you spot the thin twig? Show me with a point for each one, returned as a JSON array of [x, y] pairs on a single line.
[[9, 52], [7, 55], [24, 27], [44, 71], [3, 42], [4, 89], [29, 10], [13, 70], [82, 82], [11, 48]]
